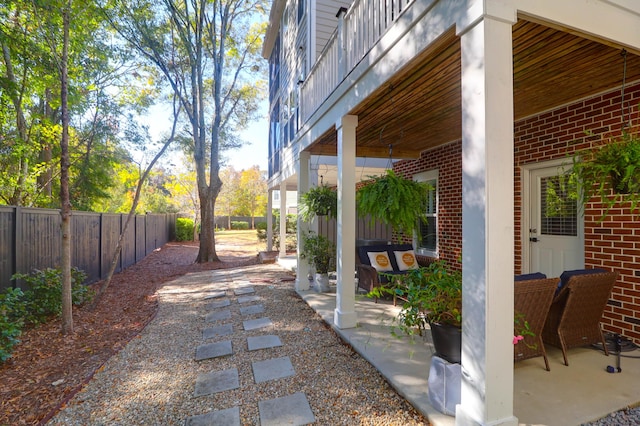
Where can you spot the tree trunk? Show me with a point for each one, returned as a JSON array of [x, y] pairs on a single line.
[[65, 203]]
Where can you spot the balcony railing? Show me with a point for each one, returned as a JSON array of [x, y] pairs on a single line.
[[359, 29]]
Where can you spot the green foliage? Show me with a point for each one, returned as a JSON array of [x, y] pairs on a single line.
[[431, 294], [43, 299], [184, 229], [240, 225], [261, 226], [12, 308], [36, 305], [319, 251], [610, 172], [399, 202], [318, 201]]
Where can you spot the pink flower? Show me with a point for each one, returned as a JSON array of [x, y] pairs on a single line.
[[517, 338]]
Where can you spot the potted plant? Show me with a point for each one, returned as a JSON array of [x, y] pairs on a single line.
[[610, 172], [432, 296], [321, 254], [321, 200], [395, 200]]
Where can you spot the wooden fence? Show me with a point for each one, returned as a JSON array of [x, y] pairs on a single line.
[[30, 239]]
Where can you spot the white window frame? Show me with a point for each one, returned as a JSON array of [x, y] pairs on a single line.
[[432, 177]]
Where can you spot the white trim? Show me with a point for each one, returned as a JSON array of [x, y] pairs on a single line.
[[525, 183], [429, 175]]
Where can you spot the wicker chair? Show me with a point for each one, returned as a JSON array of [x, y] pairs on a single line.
[[574, 317], [532, 299]]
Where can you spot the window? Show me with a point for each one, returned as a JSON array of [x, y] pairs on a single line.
[[426, 242], [300, 10]]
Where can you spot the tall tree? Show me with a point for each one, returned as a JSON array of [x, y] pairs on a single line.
[[252, 193], [208, 52], [229, 194]]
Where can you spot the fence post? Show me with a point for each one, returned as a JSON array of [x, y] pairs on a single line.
[[342, 41], [17, 247]]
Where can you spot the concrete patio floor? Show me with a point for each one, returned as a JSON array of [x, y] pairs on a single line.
[[572, 395]]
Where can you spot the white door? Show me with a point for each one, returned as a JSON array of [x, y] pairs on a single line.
[[556, 227]]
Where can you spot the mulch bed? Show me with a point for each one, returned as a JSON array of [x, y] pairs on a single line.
[[47, 368]]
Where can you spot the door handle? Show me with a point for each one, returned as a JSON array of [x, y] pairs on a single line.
[[533, 239]]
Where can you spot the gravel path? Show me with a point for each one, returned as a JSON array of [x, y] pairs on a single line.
[[151, 381]]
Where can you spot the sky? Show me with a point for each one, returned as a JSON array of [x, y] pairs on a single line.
[[254, 152]]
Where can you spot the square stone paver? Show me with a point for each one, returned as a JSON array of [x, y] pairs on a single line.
[[225, 314], [272, 369], [252, 309], [254, 324], [287, 410], [248, 299], [218, 381], [221, 330], [222, 303], [228, 417], [215, 295], [213, 350], [243, 290], [263, 342]]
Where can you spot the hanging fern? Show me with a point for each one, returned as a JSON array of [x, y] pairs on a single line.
[[318, 201], [396, 201]]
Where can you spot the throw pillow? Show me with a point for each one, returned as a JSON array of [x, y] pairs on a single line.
[[406, 260], [380, 261]]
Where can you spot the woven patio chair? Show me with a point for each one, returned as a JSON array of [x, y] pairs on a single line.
[[532, 299], [576, 310]]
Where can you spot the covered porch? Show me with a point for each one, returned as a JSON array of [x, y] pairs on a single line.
[[460, 72], [573, 395]]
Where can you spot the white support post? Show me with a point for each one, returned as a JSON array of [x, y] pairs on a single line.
[[302, 271], [345, 314], [269, 220], [487, 224], [283, 219]]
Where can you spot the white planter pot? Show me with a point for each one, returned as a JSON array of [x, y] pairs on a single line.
[[322, 283]]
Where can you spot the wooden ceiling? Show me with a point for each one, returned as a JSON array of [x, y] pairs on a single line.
[[420, 107]]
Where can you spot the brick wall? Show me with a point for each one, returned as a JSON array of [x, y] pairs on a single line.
[[613, 243], [448, 160]]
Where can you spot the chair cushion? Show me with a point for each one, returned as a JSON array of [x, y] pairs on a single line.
[[531, 276], [380, 261], [564, 278], [406, 260]]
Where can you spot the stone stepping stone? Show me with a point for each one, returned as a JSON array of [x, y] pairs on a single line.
[[214, 350], [251, 310], [221, 330], [272, 369], [228, 417], [219, 304], [216, 295], [243, 290], [287, 410], [217, 381], [218, 316], [254, 324], [248, 299], [263, 342]]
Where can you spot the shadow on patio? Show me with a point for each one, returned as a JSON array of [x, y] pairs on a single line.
[[572, 395]]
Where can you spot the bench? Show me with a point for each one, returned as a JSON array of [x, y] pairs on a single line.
[[377, 262]]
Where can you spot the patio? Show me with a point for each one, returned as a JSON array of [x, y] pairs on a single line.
[[579, 393]]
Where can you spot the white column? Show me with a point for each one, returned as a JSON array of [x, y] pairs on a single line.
[[283, 219], [487, 224], [302, 282], [269, 220], [345, 314]]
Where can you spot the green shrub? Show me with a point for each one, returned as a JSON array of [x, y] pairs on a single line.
[[12, 310], [261, 226], [184, 229], [239, 225], [43, 299]]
